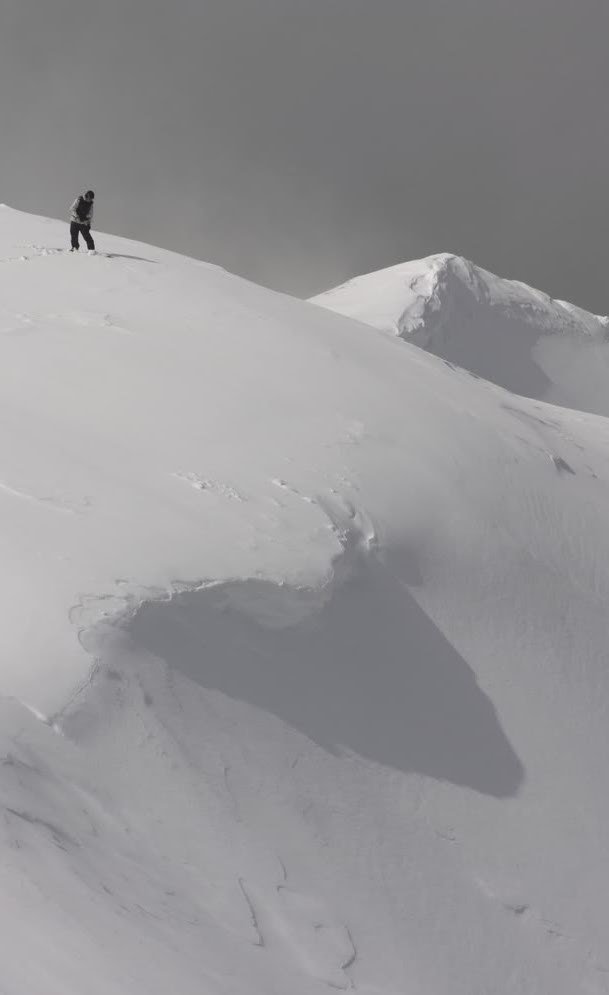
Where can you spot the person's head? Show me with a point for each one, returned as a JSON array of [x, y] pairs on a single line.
[[89, 195]]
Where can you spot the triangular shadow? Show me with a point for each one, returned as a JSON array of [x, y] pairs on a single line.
[[368, 672]]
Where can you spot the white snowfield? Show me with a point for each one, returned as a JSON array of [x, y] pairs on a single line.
[[502, 330], [303, 656]]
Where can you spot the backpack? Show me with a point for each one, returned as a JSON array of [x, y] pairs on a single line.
[[83, 209]]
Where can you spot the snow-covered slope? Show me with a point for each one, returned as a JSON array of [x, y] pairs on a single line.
[[303, 653], [502, 330]]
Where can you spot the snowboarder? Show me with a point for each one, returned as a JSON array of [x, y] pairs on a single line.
[[81, 216]]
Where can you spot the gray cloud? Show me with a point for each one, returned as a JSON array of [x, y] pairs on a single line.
[[301, 141]]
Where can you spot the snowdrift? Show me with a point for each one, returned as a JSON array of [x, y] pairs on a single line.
[[303, 678], [501, 330]]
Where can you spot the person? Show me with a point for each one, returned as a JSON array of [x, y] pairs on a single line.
[[81, 216]]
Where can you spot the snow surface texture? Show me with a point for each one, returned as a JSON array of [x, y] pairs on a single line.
[[500, 329], [304, 648]]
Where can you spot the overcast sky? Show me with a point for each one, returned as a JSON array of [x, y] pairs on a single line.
[[299, 142]]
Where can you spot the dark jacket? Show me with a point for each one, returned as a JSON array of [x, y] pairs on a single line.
[[81, 212]]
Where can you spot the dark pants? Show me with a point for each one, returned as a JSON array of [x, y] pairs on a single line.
[[85, 231]]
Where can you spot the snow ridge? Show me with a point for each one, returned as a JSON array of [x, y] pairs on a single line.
[[502, 330], [303, 657]]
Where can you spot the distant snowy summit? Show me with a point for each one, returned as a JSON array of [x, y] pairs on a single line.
[[502, 330]]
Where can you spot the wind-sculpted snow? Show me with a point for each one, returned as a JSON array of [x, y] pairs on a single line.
[[501, 330], [361, 670], [303, 657]]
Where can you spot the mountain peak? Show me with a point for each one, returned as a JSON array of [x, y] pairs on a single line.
[[502, 330]]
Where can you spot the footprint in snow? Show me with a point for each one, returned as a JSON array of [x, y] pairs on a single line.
[[284, 486], [210, 486]]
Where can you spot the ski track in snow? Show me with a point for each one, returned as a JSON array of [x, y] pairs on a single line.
[[53, 504]]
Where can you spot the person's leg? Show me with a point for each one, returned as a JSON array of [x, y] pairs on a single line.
[[74, 235], [86, 232]]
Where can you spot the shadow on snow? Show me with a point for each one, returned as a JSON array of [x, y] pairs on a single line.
[[367, 671]]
